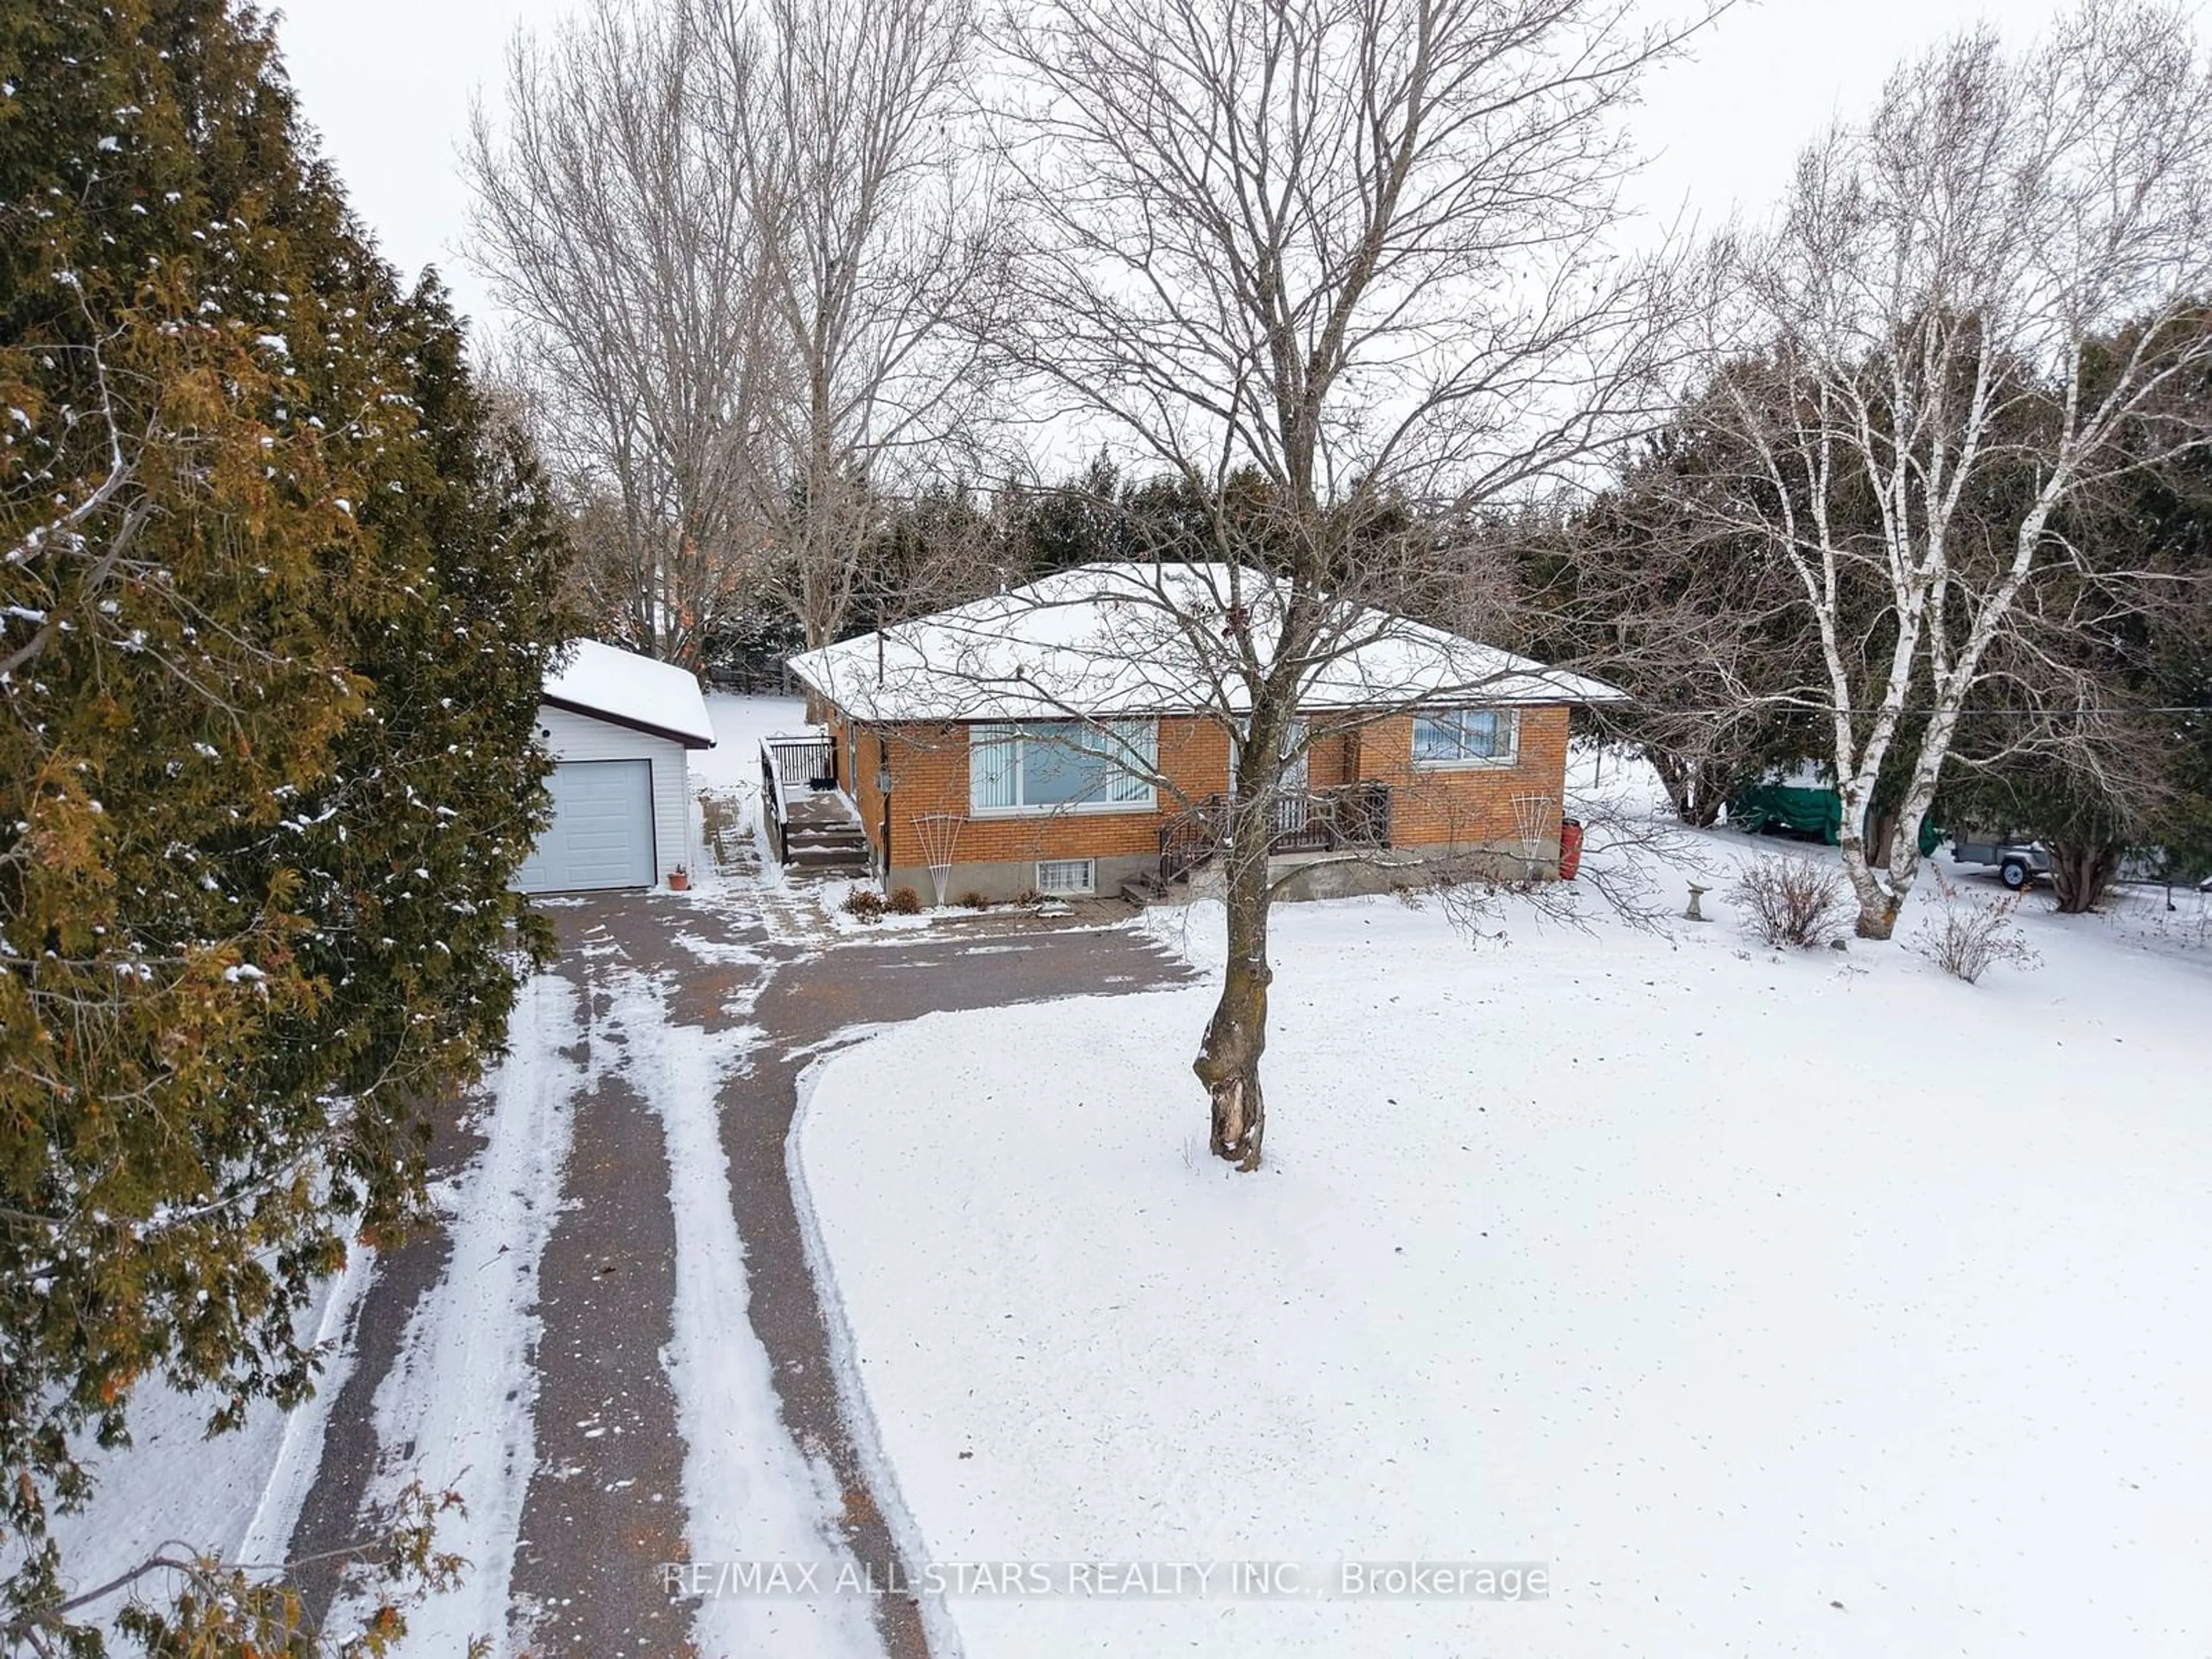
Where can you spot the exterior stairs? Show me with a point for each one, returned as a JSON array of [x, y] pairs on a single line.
[[821, 837], [811, 824], [1145, 892]]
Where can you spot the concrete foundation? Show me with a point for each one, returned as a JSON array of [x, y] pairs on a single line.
[[1342, 874], [1347, 875], [999, 882]]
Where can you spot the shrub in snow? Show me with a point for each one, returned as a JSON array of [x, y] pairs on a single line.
[[1966, 937], [974, 902], [1792, 900], [864, 904], [904, 902]]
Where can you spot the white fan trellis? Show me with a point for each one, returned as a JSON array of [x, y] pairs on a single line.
[[1535, 816], [939, 834]]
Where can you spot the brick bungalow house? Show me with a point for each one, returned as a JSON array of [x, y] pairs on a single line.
[[1077, 734]]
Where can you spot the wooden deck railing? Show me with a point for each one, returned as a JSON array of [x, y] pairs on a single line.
[[1352, 815], [788, 764], [808, 762], [775, 806]]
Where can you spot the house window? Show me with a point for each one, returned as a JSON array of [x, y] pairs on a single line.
[[1468, 737], [1067, 877], [1044, 766]]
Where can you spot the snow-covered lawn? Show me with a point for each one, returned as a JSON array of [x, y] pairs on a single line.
[[1814, 1304], [740, 722], [237, 1496]]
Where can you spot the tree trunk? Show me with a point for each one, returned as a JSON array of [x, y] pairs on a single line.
[[2082, 874], [816, 633], [1881, 879], [1228, 1062], [1695, 787], [1885, 837], [1878, 903], [1704, 809], [1877, 918]]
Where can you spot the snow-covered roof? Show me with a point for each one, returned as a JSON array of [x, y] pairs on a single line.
[[1144, 639], [613, 685]]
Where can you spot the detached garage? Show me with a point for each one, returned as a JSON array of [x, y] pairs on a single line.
[[620, 728]]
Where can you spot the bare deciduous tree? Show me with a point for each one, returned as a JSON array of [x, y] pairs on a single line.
[[620, 240], [1699, 625], [735, 239], [1331, 266], [875, 224], [1924, 377]]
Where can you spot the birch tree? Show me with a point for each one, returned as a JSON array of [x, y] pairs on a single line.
[[1323, 263], [1922, 342]]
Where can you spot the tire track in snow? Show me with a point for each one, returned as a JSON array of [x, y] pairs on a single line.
[[750, 1492], [456, 1406]]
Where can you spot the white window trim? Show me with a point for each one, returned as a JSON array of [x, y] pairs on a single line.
[[1505, 762], [1146, 807], [1088, 892], [1067, 809]]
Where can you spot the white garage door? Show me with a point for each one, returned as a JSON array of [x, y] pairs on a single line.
[[602, 830]]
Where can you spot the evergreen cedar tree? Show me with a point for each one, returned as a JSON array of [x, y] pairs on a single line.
[[2170, 514], [277, 597], [2142, 778], [2151, 675]]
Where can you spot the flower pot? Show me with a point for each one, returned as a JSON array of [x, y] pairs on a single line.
[[678, 880]]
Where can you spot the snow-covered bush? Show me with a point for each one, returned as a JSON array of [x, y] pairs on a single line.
[[903, 902], [1792, 900], [864, 904], [1966, 937]]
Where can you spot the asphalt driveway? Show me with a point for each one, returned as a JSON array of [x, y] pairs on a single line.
[[603, 1509]]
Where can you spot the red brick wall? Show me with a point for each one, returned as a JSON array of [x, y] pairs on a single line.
[[1428, 807], [1457, 805], [929, 773], [858, 774], [1331, 758]]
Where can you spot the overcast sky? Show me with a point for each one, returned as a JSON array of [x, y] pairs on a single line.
[[389, 86]]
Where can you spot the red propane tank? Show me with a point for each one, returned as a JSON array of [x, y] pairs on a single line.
[[1571, 848]]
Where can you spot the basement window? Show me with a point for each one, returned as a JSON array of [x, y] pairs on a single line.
[[1067, 877]]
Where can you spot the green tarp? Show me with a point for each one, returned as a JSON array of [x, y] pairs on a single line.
[[1807, 812]]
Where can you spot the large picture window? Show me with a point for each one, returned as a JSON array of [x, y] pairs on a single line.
[[1468, 737], [1042, 766]]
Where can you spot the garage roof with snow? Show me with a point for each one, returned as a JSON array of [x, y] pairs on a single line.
[[609, 684], [1149, 639]]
